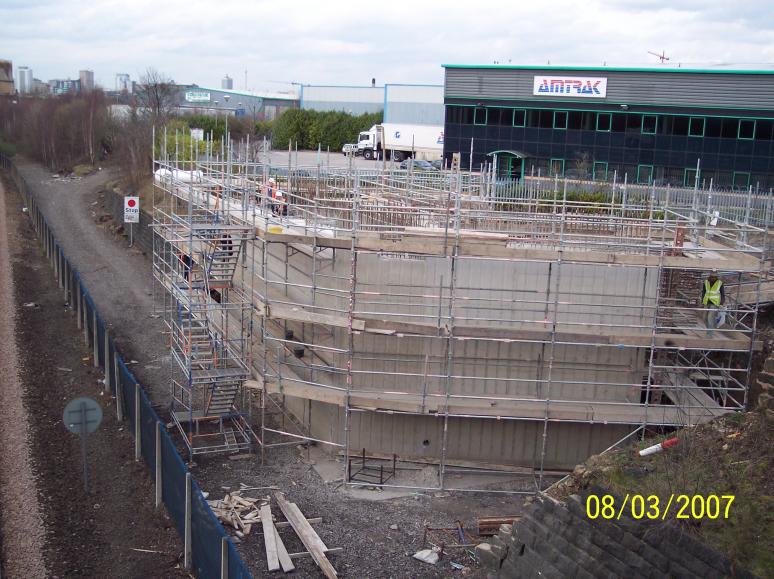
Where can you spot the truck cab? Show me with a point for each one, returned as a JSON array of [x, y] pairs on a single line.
[[367, 143]]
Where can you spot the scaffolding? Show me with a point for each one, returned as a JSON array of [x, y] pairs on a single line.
[[198, 250], [415, 316]]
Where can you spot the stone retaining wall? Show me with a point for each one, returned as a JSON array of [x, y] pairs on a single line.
[[556, 540]]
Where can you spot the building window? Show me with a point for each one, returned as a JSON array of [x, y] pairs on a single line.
[[746, 129], [519, 118], [696, 127], [689, 178], [556, 168], [503, 117], [649, 124], [741, 180], [600, 171], [603, 122], [479, 117], [645, 174], [560, 119]]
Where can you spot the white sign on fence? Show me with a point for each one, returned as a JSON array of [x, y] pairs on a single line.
[[131, 209], [570, 86]]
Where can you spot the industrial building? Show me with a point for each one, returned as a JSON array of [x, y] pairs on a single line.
[[413, 104], [257, 105], [388, 315], [673, 126], [86, 78], [24, 80]]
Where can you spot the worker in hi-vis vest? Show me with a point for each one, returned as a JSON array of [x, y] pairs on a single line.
[[713, 296]]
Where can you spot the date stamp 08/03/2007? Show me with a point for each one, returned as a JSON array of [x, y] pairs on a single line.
[[654, 507]]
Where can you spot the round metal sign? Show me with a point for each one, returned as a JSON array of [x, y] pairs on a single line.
[[82, 415]]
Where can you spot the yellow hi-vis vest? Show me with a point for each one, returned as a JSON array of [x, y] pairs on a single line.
[[712, 293]]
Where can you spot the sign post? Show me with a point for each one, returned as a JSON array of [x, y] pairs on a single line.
[[131, 214], [82, 416]]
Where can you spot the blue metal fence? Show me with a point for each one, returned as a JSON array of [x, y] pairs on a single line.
[[210, 552]]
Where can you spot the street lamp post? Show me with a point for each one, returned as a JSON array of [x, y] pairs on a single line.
[[226, 98]]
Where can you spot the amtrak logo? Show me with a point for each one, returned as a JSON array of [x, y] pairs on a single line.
[[570, 86], [397, 134]]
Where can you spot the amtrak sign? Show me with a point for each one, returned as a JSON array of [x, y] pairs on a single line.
[[570, 86]]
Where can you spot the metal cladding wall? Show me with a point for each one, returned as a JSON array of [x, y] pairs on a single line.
[[415, 104], [355, 100], [745, 90]]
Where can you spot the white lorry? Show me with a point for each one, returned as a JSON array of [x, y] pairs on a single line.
[[402, 141]]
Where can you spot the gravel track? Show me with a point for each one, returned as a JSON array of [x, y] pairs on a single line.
[[21, 526], [118, 278]]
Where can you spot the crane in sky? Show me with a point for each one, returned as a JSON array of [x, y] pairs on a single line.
[[663, 57]]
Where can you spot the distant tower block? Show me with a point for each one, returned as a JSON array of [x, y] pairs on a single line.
[[227, 83]]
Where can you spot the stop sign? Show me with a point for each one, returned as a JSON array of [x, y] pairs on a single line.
[[131, 209]]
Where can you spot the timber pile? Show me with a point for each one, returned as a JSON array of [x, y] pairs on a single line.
[[238, 512]]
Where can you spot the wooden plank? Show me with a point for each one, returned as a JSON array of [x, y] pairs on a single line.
[[282, 554], [307, 535], [270, 539], [303, 554], [312, 533]]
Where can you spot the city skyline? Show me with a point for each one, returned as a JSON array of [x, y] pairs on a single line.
[[406, 44]]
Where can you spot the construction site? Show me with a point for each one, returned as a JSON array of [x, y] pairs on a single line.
[[387, 316]]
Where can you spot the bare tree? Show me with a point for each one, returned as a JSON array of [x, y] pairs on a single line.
[[156, 96]]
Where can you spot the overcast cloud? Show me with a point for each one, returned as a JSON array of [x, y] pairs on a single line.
[[337, 42]]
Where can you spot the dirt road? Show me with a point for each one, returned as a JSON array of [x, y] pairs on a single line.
[[118, 278]]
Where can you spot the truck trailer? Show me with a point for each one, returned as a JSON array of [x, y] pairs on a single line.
[[400, 142]]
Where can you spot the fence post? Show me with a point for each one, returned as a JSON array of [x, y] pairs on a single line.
[[95, 341], [187, 533], [158, 465], [119, 388], [79, 304], [137, 432], [66, 282], [223, 558], [85, 311], [106, 359]]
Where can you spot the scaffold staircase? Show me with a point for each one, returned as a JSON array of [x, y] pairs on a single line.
[[198, 273]]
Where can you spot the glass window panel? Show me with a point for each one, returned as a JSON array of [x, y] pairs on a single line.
[[746, 128], [712, 127], [560, 119], [680, 126], [649, 123], [479, 117], [519, 117], [604, 121], [730, 128], [696, 127], [619, 123]]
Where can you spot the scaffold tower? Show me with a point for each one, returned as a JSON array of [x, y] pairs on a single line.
[[197, 257]]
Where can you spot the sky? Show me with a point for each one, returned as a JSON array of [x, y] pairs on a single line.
[[338, 42]]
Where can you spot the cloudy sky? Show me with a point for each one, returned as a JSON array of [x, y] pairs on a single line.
[[338, 42]]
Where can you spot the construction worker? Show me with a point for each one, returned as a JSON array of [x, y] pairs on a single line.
[[278, 205], [713, 296]]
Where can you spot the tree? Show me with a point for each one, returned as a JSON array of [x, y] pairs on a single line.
[[156, 96]]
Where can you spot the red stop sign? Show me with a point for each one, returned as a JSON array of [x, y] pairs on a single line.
[[131, 202]]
